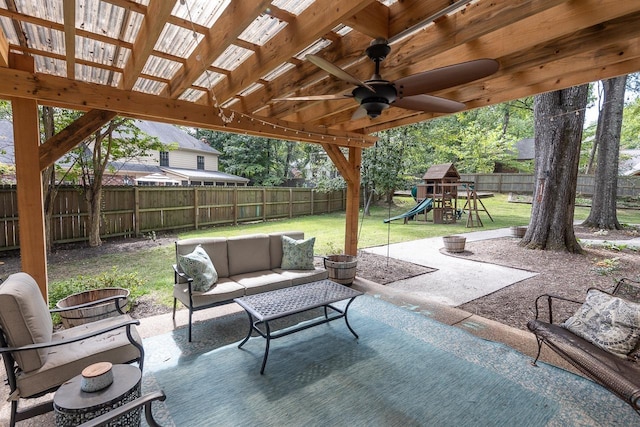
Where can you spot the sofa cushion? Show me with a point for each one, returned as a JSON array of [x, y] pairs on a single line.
[[225, 290], [261, 281], [66, 361], [248, 254], [216, 248], [297, 254], [608, 322], [199, 267], [275, 245], [25, 319], [298, 277]]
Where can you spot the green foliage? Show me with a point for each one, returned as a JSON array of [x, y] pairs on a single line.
[[630, 134], [606, 266]]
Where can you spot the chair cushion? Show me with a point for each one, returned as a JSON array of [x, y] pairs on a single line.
[[25, 319], [608, 322], [66, 361], [297, 254], [198, 266]]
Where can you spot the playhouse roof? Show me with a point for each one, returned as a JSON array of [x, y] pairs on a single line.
[[445, 170]]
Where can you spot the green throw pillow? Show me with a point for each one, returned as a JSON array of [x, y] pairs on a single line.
[[297, 254], [608, 322], [198, 266]]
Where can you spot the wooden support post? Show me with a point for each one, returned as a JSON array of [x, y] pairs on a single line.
[[26, 133], [353, 202]]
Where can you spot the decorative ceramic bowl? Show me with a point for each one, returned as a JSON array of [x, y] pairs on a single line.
[[96, 377]]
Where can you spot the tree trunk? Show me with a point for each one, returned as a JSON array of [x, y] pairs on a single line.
[[94, 200], [49, 187], [603, 203], [559, 118]]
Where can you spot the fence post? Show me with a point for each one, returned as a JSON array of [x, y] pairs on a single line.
[[290, 202], [196, 211], [312, 200], [264, 203], [235, 206], [136, 210]]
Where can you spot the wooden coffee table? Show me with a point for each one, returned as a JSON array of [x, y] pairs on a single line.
[[268, 306]]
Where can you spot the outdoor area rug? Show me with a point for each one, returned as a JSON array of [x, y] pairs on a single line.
[[405, 370]]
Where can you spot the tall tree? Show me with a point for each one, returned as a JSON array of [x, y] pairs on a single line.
[[603, 203], [120, 139], [559, 119]]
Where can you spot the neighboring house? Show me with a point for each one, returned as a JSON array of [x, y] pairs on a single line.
[[189, 162], [629, 162], [524, 150]]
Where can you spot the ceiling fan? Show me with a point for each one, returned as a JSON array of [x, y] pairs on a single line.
[[376, 94]]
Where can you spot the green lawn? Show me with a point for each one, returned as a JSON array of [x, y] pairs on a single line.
[[152, 267]]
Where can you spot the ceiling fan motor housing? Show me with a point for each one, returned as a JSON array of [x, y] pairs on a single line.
[[375, 102]]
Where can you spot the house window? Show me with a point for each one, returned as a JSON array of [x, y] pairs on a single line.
[[201, 162], [164, 158]]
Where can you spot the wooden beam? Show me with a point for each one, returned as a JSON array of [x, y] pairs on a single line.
[[372, 21], [233, 21], [69, 12], [350, 171], [59, 144], [4, 50], [59, 91], [318, 19], [26, 133], [152, 25]]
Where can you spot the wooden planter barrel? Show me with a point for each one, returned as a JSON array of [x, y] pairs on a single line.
[[80, 316], [454, 244], [341, 268]]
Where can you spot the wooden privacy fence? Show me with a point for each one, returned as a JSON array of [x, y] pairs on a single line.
[[135, 211], [628, 186]]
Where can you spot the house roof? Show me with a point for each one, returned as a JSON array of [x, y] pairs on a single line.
[[175, 61], [525, 149], [170, 134], [441, 171], [202, 175]]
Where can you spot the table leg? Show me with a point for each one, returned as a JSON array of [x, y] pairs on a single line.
[[248, 333], [346, 320], [266, 348]]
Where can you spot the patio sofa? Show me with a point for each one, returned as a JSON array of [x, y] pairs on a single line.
[[245, 265]]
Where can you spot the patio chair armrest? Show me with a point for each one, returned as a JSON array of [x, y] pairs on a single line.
[[114, 298], [182, 274], [550, 298], [145, 401], [126, 324], [179, 273]]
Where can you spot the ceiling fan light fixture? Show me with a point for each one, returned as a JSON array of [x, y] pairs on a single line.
[[375, 106]]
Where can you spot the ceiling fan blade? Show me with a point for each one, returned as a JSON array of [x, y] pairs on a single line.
[[360, 113], [337, 71], [429, 104], [445, 77], [337, 96]]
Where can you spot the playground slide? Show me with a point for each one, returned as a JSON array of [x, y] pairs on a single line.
[[423, 206]]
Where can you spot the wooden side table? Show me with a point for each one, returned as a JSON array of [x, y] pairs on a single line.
[[73, 406]]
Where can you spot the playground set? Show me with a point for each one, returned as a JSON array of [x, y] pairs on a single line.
[[439, 193]]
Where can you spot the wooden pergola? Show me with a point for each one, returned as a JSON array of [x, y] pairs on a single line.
[[222, 65]]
